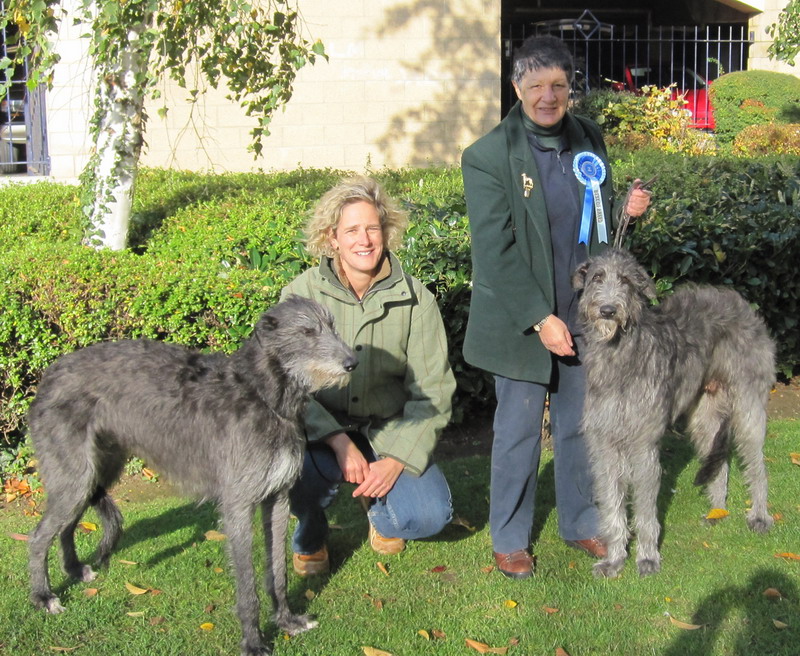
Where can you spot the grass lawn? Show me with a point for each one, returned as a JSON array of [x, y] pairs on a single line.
[[438, 593]]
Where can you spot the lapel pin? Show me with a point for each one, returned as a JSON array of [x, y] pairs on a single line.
[[527, 185]]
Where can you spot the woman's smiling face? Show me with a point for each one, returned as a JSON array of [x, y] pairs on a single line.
[[544, 94], [358, 239]]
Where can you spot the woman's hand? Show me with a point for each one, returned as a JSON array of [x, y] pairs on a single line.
[[383, 474], [352, 462], [556, 337], [638, 200]]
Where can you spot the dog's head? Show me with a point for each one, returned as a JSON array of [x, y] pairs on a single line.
[[614, 290]]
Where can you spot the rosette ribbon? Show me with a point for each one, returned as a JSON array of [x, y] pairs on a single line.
[[590, 171]]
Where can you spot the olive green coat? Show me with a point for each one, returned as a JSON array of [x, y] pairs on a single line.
[[512, 257], [400, 394]]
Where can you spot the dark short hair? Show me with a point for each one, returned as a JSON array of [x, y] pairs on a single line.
[[541, 52]]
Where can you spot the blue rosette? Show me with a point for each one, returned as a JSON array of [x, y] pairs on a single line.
[[590, 171]]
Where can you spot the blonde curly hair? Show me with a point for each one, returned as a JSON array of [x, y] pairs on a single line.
[[328, 212]]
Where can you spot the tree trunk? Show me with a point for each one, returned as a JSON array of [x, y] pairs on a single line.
[[111, 172]]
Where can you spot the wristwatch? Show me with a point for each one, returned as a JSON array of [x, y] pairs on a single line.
[[537, 328]]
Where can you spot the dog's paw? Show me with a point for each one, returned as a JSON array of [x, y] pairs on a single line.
[[82, 573], [648, 567], [50, 603], [294, 624], [761, 523], [608, 569]]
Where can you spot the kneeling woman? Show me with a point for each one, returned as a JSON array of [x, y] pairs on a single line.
[[380, 431]]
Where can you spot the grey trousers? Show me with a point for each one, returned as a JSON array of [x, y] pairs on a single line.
[[516, 450]]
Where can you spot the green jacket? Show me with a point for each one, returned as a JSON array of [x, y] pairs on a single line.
[[400, 394], [512, 257]]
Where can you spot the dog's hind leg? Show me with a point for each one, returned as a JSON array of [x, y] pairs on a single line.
[[275, 518], [646, 480], [111, 519], [749, 424]]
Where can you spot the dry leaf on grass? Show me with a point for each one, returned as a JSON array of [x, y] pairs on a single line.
[[215, 536], [90, 592], [561, 652], [310, 594], [510, 603], [787, 555], [683, 625], [772, 593], [207, 626], [795, 458], [439, 569], [136, 613], [549, 611], [460, 521], [127, 562], [483, 648], [371, 651], [717, 513], [18, 536], [780, 625], [135, 590], [382, 567], [439, 635], [424, 634]]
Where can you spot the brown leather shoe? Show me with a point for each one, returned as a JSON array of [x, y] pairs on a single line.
[[516, 565], [312, 564], [592, 546], [385, 546]]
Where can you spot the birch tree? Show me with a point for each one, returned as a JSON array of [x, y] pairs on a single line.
[[252, 48]]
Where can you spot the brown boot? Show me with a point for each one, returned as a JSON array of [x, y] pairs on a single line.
[[592, 546], [312, 564], [516, 565], [385, 546]]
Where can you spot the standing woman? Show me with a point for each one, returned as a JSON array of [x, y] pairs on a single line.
[[380, 431], [538, 190]]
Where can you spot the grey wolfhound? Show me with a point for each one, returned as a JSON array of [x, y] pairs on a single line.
[[701, 357], [225, 428]]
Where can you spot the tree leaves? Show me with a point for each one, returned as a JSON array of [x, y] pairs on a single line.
[[483, 648]]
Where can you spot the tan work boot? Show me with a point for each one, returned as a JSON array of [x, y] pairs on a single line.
[[385, 546], [312, 564]]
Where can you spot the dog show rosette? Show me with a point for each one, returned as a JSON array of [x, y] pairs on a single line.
[[590, 171]]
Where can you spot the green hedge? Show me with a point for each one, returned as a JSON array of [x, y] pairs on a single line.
[[747, 98], [210, 252]]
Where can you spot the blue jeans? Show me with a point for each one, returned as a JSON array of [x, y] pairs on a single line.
[[516, 449], [416, 507]]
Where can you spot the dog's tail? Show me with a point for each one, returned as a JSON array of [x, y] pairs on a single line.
[[111, 518], [717, 456]]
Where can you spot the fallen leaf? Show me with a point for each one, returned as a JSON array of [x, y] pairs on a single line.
[[684, 625], [483, 648], [772, 593], [207, 626], [424, 634], [788, 556], [561, 652], [549, 610], [371, 651], [134, 590], [439, 635], [382, 567], [215, 536], [487, 570], [717, 513], [88, 526], [439, 569], [137, 613], [90, 592], [210, 608], [18, 536], [149, 474], [155, 621], [510, 603], [310, 594], [780, 625], [127, 562], [795, 458]]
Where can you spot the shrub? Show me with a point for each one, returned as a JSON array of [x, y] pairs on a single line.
[[747, 98], [774, 139]]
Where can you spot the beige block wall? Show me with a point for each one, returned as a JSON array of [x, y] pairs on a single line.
[[759, 58], [407, 83]]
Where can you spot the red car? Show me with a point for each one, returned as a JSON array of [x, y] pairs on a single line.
[[689, 85]]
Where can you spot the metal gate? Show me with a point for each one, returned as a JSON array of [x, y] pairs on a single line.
[[23, 133], [628, 57]]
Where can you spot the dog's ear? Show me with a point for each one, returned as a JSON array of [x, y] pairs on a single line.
[[645, 284], [579, 276]]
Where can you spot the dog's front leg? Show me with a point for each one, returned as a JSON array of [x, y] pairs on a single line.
[[237, 520], [610, 487], [275, 519], [646, 480]]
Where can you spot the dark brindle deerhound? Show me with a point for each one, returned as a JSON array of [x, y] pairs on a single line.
[[702, 356], [224, 428]]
